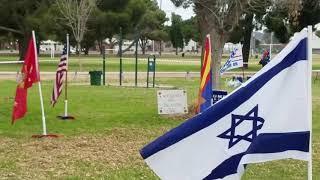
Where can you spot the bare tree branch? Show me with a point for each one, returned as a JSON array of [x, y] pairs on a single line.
[[76, 14], [10, 30]]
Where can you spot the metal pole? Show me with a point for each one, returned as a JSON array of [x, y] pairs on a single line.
[[120, 51], [154, 69], [44, 127], [309, 98], [104, 65], [66, 79], [136, 66], [271, 41], [148, 72]]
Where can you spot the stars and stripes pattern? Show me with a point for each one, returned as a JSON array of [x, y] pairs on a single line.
[[60, 76]]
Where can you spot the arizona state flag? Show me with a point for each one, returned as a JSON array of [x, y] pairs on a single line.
[[205, 90], [29, 75]]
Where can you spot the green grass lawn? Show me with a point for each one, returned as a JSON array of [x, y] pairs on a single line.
[[90, 63], [112, 124]]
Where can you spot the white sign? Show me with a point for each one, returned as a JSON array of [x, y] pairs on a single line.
[[235, 61], [172, 102]]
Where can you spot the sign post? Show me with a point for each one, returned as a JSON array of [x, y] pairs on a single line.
[[151, 68], [120, 53], [104, 65], [136, 65]]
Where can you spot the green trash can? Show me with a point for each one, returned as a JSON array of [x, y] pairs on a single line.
[[95, 78]]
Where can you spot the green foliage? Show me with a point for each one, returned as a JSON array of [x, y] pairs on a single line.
[[150, 25], [275, 22], [113, 5], [176, 35], [23, 16], [309, 15], [190, 30], [280, 20], [151, 21], [115, 14]]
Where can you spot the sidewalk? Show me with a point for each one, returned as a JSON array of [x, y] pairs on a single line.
[[84, 76]]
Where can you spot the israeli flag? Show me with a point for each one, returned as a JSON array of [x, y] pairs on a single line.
[[235, 61], [266, 118]]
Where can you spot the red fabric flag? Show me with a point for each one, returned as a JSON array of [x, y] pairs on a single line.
[[29, 75]]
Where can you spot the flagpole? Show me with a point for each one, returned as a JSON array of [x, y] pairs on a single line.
[[66, 83], [242, 74], [309, 78], [39, 85]]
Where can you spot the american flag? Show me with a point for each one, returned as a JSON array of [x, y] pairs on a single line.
[[61, 72]]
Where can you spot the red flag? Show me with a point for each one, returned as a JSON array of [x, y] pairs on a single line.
[[29, 75]]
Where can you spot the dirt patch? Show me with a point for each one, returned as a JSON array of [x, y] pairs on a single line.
[[84, 156]]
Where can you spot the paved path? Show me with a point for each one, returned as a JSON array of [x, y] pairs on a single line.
[[84, 76], [115, 75]]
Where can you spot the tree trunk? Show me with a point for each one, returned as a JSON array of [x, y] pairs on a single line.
[[176, 51], [79, 52], [86, 51], [143, 44], [23, 43], [111, 45], [217, 44], [100, 42], [247, 40], [160, 47]]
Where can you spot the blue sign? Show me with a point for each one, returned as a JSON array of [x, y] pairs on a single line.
[[217, 95]]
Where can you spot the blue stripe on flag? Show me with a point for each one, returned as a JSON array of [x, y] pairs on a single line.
[[264, 143], [225, 106], [207, 94]]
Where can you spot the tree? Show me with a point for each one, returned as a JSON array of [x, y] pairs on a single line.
[[220, 17], [217, 18], [88, 41], [176, 35], [76, 13], [251, 19], [190, 30], [115, 14], [20, 17], [150, 26], [285, 20]]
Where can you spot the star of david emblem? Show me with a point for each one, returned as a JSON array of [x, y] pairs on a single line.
[[241, 123]]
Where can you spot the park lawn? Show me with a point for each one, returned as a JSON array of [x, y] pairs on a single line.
[[164, 64], [112, 124]]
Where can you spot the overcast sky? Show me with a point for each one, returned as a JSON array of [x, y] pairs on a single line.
[[169, 8]]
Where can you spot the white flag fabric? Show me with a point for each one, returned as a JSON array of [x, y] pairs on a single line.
[[265, 119], [235, 61]]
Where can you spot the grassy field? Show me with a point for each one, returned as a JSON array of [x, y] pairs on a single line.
[[112, 124], [167, 63]]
